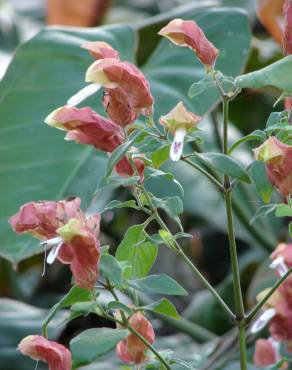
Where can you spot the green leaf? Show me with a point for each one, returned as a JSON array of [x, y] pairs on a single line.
[[226, 165], [139, 253], [160, 156], [277, 74], [157, 174], [74, 295], [197, 88], [173, 206], [117, 204], [290, 229], [93, 343], [163, 306], [114, 305], [158, 284], [257, 135], [259, 177], [117, 155], [263, 211], [114, 181], [283, 210], [84, 308], [167, 237], [276, 118], [110, 269]]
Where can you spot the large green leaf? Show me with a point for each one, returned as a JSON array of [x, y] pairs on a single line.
[[277, 74], [35, 162]]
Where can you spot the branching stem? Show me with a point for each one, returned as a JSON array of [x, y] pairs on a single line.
[[185, 257]]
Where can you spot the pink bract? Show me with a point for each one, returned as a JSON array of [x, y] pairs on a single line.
[[100, 50], [265, 353], [112, 73], [278, 159], [87, 127], [42, 219], [132, 349], [81, 250], [188, 33], [118, 108], [38, 348]]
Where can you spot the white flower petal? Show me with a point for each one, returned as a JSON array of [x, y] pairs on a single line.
[[83, 94], [52, 241], [54, 253], [262, 320], [176, 148], [279, 265]]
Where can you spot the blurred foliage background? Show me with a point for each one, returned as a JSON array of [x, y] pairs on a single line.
[[36, 163]]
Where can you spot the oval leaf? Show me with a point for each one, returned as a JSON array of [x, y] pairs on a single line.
[[158, 284], [163, 306], [277, 74], [93, 343], [139, 253], [110, 269], [257, 135], [226, 165], [260, 179]]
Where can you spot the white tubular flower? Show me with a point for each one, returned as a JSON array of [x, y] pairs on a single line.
[[262, 320], [83, 94], [179, 121], [279, 265], [177, 144], [55, 244]]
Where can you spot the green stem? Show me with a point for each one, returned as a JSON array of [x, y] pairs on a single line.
[[238, 300], [261, 303], [234, 260], [242, 347], [185, 257]]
